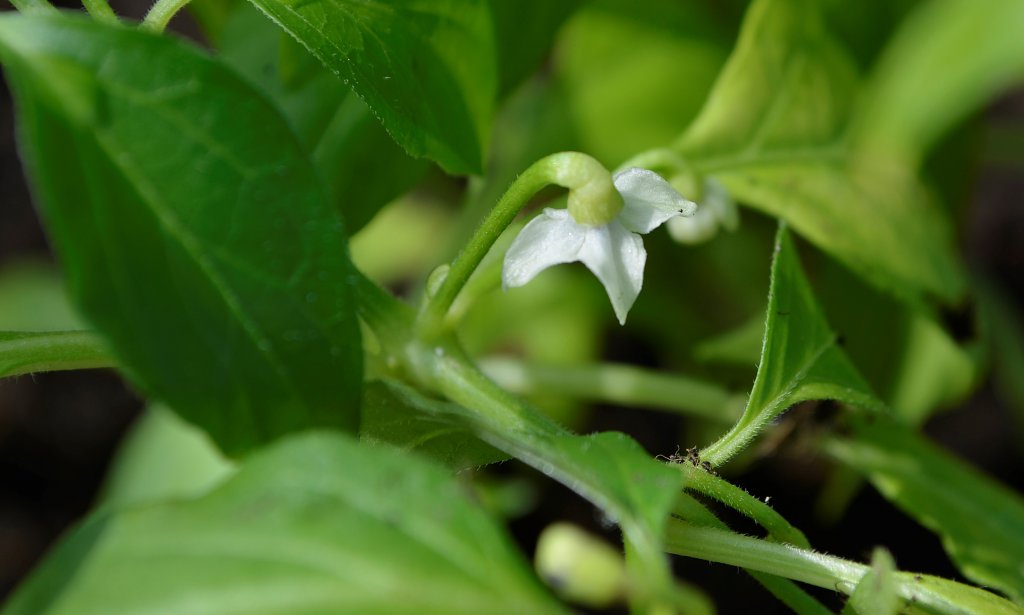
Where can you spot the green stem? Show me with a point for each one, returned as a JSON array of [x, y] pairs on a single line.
[[25, 353], [160, 14], [100, 10], [688, 508], [926, 593], [618, 384], [571, 170], [33, 6], [721, 490]]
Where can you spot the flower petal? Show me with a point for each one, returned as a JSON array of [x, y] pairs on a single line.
[[648, 200], [617, 257], [551, 238]]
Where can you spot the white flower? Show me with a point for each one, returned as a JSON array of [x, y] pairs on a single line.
[[614, 251]]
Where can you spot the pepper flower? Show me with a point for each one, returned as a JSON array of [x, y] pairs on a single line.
[[602, 231]]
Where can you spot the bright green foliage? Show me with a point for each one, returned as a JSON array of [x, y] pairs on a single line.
[[24, 353], [776, 132], [316, 524], [193, 199], [980, 521], [877, 591], [357, 159], [195, 235], [636, 72], [426, 68], [162, 458], [800, 359], [954, 54]]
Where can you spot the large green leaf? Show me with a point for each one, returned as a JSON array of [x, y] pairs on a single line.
[[316, 524], [800, 357], [193, 230], [980, 521], [950, 57], [361, 164], [426, 68], [775, 132]]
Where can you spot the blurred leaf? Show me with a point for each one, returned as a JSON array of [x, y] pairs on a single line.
[[912, 363], [740, 346], [27, 352], [193, 230], [524, 32], [296, 530], [392, 415], [1004, 328], [356, 157], [632, 83], [426, 68], [948, 58], [877, 591], [162, 458], [775, 132], [800, 359], [980, 521], [32, 298]]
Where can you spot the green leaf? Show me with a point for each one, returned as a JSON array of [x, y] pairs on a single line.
[[393, 413], [361, 164], [877, 592], [775, 132], [426, 68], [800, 359], [524, 31], [162, 458], [27, 352], [316, 524], [980, 521], [192, 229], [948, 59]]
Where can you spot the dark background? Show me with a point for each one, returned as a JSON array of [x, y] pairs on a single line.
[[58, 431]]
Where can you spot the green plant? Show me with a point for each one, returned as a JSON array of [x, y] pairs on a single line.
[[193, 197]]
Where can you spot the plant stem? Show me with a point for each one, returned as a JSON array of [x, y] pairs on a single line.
[[618, 384], [160, 14], [688, 508], [926, 593], [558, 169], [33, 6], [25, 353], [100, 10], [700, 480]]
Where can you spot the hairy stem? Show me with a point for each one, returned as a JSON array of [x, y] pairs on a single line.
[[924, 592], [700, 480], [100, 10], [160, 14]]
